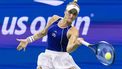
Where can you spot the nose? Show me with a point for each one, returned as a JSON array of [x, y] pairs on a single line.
[[71, 15]]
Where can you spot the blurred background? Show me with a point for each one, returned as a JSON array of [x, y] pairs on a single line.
[[98, 20]]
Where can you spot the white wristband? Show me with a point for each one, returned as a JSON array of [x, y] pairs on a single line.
[[30, 39]]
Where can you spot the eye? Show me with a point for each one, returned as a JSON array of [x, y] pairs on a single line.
[[73, 11]]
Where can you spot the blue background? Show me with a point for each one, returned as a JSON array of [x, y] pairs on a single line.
[[106, 24]]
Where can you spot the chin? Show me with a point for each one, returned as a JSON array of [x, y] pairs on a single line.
[[69, 20]]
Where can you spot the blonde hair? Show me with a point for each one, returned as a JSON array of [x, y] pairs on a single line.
[[73, 5]]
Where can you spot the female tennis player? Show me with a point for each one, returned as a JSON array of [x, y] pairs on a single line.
[[62, 39]]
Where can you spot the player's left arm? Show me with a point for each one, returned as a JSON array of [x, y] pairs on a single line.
[[73, 42]]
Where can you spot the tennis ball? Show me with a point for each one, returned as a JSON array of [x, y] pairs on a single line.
[[108, 56]]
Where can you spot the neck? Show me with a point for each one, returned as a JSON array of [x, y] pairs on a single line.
[[64, 23]]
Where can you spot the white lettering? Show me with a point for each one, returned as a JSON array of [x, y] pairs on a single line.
[[10, 30], [41, 20], [21, 25], [12, 26], [44, 39], [85, 20]]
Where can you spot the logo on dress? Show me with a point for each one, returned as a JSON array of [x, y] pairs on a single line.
[[54, 33]]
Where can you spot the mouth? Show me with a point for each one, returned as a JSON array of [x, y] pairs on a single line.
[[71, 19]]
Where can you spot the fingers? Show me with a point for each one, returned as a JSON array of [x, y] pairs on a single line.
[[22, 44], [78, 42], [80, 39], [19, 48]]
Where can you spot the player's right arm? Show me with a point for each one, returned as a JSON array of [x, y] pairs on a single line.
[[36, 36]]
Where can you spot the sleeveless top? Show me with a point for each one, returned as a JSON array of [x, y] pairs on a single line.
[[57, 37]]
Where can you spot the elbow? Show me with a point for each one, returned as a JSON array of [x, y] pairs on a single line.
[[69, 50]]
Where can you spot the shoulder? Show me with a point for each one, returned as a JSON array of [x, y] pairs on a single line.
[[55, 17], [73, 31], [52, 20]]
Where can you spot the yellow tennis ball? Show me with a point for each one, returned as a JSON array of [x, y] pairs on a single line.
[[108, 56]]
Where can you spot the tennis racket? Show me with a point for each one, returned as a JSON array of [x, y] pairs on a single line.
[[100, 49]]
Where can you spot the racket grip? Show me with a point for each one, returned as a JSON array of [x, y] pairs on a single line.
[[85, 43]]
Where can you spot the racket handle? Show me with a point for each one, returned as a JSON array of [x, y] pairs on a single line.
[[85, 43]]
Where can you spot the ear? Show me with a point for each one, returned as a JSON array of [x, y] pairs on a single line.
[[65, 12]]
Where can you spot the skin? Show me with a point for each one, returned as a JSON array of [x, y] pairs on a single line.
[[72, 33]]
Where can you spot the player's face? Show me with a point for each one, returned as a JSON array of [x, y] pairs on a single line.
[[70, 15]]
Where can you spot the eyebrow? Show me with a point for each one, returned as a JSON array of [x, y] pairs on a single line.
[[73, 11]]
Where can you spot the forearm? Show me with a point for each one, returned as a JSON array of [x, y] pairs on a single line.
[[39, 35], [44, 31], [72, 47], [72, 44], [75, 44], [83, 42], [36, 36]]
